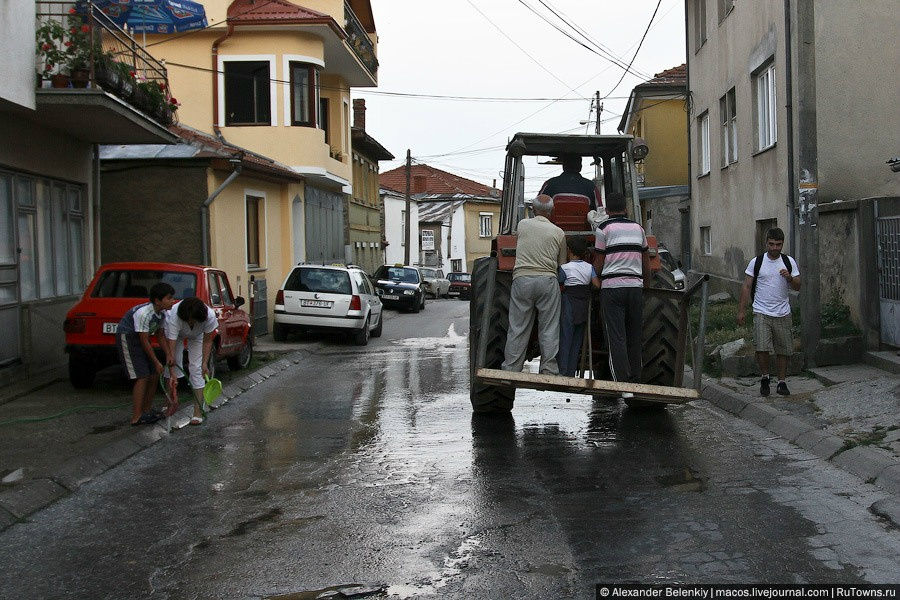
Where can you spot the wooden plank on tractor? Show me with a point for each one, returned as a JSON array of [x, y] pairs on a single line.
[[650, 393]]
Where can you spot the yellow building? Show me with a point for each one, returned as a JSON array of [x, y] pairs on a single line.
[[272, 80], [482, 217], [657, 112]]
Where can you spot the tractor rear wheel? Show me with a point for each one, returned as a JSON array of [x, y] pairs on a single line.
[[488, 325], [660, 337]]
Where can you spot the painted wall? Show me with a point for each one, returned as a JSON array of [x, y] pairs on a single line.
[[364, 235], [394, 206], [857, 84], [663, 125], [476, 246], [731, 199], [17, 69]]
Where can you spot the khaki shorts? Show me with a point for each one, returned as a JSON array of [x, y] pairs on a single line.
[[773, 334]]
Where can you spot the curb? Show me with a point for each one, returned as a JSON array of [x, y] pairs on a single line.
[[869, 464], [18, 503]]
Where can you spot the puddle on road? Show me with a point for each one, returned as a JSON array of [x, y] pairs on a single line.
[[349, 590], [682, 480], [249, 525], [453, 567]]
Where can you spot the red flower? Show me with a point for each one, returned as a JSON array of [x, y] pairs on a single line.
[[46, 46], [85, 28], [132, 74], [72, 11], [67, 45], [173, 101], [162, 86], [73, 30], [48, 67]]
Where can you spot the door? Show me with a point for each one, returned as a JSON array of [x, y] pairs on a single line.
[[9, 277], [324, 227], [887, 237]]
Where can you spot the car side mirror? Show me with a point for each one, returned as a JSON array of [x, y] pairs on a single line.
[[239, 302]]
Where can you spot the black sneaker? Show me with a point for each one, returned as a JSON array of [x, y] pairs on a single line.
[[764, 386], [782, 389]]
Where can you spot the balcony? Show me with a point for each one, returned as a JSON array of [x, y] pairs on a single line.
[[359, 40], [94, 80]]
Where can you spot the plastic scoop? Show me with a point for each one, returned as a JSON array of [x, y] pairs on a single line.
[[212, 390]]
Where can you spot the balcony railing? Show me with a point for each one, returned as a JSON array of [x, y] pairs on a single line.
[[83, 48], [359, 40]]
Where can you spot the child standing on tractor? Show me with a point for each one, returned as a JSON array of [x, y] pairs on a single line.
[[136, 353], [576, 296]]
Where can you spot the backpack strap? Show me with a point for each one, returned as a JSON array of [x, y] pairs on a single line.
[[787, 263], [756, 268]]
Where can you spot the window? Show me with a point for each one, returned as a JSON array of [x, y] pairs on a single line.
[[706, 241], [227, 298], [456, 264], [304, 94], [49, 220], [255, 235], [725, 8], [728, 118], [247, 93], [323, 118], [215, 296], [764, 82], [703, 142], [136, 283], [699, 23], [486, 226], [427, 239]]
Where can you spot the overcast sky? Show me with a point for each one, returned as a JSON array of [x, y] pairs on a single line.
[[449, 48]]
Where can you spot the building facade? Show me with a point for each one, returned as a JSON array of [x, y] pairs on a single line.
[[395, 220], [792, 118]]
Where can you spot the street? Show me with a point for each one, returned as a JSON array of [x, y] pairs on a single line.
[[365, 466]]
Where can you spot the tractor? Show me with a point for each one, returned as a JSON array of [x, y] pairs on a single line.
[[665, 308]]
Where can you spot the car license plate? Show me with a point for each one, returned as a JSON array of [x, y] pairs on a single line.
[[110, 327], [316, 303], [391, 297], [453, 293]]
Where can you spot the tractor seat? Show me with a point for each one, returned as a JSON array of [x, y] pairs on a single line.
[[570, 212]]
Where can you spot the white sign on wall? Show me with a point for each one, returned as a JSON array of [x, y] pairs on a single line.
[[427, 239]]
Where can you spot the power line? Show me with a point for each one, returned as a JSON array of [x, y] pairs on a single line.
[[641, 43]]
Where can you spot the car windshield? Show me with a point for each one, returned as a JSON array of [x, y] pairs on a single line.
[[401, 274], [328, 281], [464, 277], [136, 283]]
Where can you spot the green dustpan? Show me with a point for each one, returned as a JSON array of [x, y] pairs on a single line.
[[212, 390]]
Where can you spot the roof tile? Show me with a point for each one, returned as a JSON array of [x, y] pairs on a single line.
[[428, 179]]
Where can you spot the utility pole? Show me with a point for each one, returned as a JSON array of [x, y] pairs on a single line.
[[808, 180], [408, 212], [599, 110]]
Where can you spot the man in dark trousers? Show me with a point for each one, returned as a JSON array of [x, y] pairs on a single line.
[[571, 185], [624, 267], [767, 281]]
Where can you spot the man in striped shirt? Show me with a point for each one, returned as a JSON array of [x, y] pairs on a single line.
[[624, 267]]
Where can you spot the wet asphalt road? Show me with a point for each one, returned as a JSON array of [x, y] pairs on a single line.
[[366, 466]]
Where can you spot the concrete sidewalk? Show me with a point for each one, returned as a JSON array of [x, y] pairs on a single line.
[[848, 415]]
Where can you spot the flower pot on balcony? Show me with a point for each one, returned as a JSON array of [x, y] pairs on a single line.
[[81, 78], [107, 78], [60, 80]]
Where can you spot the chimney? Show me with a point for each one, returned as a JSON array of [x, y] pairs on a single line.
[[359, 113]]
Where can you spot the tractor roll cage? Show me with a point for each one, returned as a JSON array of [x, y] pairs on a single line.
[[612, 151]]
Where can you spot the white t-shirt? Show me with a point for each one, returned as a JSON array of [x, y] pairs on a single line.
[[176, 328], [578, 272], [771, 288]]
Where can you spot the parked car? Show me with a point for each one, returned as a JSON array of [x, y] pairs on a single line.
[[402, 286], [435, 283], [460, 285], [90, 325], [328, 298], [672, 264]]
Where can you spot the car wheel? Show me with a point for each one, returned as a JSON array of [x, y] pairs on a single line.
[[361, 337], [242, 359], [418, 306], [81, 372], [423, 302], [279, 332], [377, 331]]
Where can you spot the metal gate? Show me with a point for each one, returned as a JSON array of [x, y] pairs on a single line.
[[260, 315], [887, 236], [324, 226]]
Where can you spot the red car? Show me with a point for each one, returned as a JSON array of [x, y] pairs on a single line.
[[90, 325], [460, 285]]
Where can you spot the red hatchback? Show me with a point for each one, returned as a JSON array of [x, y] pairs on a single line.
[[90, 325]]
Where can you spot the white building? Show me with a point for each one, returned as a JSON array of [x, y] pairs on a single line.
[[395, 227]]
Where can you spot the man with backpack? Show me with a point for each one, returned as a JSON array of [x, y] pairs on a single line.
[[768, 278]]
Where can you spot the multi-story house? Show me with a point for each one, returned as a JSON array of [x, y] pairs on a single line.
[[365, 230], [272, 80], [793, 115], [458, 217], [49, 198], [394, 214], [657, 112]]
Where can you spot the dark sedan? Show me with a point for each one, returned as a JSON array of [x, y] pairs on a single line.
[[400, 286]]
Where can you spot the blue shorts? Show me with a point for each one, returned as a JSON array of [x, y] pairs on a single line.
[[132, 356]]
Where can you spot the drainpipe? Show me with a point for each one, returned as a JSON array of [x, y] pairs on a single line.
[[215, 78], [95, 184], [686, 244], [789, 93], [204, 211]]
